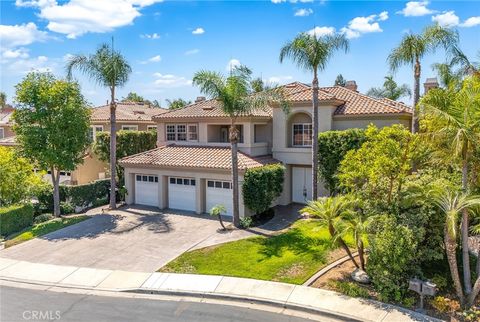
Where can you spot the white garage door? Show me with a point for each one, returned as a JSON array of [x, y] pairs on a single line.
[[219, 193], [181, 193], [146, 190], [301, 184]]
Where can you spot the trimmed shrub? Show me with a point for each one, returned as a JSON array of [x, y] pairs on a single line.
[[262, 185], [332, 147], [15, 218], [66, 208], [43, 218]]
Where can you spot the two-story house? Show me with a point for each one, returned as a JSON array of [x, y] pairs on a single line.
[[190, 168], [7, 136]]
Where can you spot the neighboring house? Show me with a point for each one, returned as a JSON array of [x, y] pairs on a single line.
[[190, 168], [5, 123]]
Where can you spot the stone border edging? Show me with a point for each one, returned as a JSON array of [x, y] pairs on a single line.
[[327, 268]]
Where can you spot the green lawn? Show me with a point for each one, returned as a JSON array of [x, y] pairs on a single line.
[[291, 257], [42, 229]]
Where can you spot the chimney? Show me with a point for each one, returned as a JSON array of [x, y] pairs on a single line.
[[352, 85], [200, 99], [429, 84]]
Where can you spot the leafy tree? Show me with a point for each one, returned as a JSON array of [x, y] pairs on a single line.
[[234, 93], [18, 182], [51, 125], [177, 103], [110, 69], [340, 81], [390, 90], [3, 99], [455, 121], [330, 211], [134, 97], [312, 53], [413, 48]]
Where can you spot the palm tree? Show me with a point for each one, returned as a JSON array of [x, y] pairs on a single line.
[[312, 54], [467, 67], [452, 204], [457, 123], [110, 69], [217, 211], [237, 98], [390, 90], [411, 50], [330, 211], [447, 75], [340, 81]]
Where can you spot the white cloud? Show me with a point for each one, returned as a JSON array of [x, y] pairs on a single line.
[[77, 17], [279, 79], [321, 31], [192, 51], [170, 81], [154, 59], [416, 9], [150, 36], [471, 22], [303, 12], [232, 64], [198, 31], [383, 16], [20, 35], [20, 53], [447, 19], [20, 66], [362, 25]]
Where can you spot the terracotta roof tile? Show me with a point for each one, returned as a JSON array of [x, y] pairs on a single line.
[[5, 116], [195, 157], [127, 112]]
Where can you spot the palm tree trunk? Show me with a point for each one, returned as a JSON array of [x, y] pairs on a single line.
[[342, 243], [234, 147], [315, 138], [361, 254], [467, 276], [416, 96], [221, 221], [473, 295], [113, 150], [56, 191], [478, 259], [451, 250]]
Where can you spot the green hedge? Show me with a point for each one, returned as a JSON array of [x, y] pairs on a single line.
[[77, 196], [261, 186], [332, 147], [15, 218]]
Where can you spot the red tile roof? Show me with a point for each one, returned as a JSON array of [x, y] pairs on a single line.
[[204, 157], [127, 111]]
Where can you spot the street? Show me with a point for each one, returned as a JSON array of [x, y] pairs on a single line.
[[18, 304]]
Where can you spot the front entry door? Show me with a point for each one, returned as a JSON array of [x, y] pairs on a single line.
[[301, 184]]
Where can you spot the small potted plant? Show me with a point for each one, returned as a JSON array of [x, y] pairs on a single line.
[[217, 211]]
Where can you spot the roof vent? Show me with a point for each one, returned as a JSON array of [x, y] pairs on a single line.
[[138, 112], [200, 99], [352, 85]]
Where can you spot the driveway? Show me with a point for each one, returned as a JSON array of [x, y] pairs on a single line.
[[131, 239]]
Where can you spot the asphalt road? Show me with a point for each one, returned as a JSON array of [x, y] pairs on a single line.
[[18, 304]]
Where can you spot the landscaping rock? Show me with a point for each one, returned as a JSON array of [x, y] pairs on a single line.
[[360, 276]]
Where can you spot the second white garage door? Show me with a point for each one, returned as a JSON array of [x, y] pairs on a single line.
[[181, 193], [219, 193]]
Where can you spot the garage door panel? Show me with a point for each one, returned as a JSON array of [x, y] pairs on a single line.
[[182, 193], [146, 190], [219, 193]]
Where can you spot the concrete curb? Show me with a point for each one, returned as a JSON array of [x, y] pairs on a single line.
[[327, 268]]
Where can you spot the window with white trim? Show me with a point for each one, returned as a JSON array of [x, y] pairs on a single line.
[[94, 129], [219, 184], [182, 132], [130, 127], [146, 178], [182, 181], [302, 134], [151, 127]]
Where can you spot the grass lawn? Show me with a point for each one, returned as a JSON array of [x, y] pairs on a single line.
[[42, 229], [290, 257]]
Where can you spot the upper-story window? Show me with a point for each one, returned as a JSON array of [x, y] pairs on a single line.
[[2, 133], [182, 132], [302, 134], [151, 127], [94, 129], [130, 127]]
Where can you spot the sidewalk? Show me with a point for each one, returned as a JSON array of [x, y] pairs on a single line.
[[278, 294]]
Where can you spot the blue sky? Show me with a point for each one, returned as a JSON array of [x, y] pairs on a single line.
[[167, 42]]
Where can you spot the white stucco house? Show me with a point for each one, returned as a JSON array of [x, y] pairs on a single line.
[[190, 168]]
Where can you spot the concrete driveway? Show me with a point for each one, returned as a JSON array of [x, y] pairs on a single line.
[[131, 238]]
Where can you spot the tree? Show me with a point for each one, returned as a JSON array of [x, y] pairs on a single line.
[[18, 181], [330, 211], [453, 204], [390, 90], [312, 53], [446, 74], [217, 211], [236, 98], [3, 99], [466, 66], [134, 97], [110, 69], [456, 122], [413, 48], [340, 81], [177, 103], [51, 124]]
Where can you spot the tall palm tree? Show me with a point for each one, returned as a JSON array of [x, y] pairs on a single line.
[[452, 204], [457, 123], [411, 50], [110, 69], [466, 66], [390, 90], [330, 211], [237, 98], [312, 54]]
